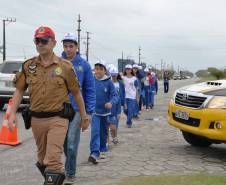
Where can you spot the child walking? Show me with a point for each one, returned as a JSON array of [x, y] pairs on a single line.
[[116, 108], [131, 84], [106, 97]]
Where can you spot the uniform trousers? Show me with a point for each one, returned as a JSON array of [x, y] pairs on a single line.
[[99, 135], [49, 134]]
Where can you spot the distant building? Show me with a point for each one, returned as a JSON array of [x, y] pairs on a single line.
[[123, 62]]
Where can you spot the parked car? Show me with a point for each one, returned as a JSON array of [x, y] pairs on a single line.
[[176, 77], [8, 70], [199, 111]]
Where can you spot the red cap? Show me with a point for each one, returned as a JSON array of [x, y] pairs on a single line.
[[44, 32]]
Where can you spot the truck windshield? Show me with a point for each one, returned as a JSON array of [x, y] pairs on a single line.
[[10, 67]]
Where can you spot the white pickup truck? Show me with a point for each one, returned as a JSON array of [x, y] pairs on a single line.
[[7, 73]]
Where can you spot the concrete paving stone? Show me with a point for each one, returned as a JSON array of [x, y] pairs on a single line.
[[129, 173], [176, 163], [133, 168], [213, 168], [174, 167], [212, 160], [111, 168], [194, 167], [150, 173], [154, 167]]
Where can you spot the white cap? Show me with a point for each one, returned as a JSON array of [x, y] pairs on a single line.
[[101, 62], [135, 66], [146, 69], [110, 66], [113, 71], [128, 66], [139, 67], [70, 37]]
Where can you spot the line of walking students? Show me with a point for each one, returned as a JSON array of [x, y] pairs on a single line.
[[114, 93]]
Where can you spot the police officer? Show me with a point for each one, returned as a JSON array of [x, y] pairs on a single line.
[[49, 80], [87, 83]]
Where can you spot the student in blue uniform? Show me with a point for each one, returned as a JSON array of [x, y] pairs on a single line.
[[147, 89], [116, 109], [106, 97]]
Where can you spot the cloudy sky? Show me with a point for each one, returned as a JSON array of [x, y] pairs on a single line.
[[190, 34]]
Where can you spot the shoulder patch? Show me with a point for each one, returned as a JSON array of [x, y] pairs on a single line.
[[27, 63]]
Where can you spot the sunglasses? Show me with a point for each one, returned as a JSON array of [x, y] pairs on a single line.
[[43, 41]]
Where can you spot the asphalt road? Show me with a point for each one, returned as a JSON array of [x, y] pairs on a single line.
[[17, 163]]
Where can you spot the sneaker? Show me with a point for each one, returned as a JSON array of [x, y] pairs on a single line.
[[136, 117], [103, 155], [92, 159], [115, 140], [69, 180]]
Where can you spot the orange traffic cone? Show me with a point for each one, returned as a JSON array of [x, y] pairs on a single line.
[[7, 137]]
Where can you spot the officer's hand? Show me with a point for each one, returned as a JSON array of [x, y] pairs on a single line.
[[85, 121], [11, 121], [108, 105], [118, 116]]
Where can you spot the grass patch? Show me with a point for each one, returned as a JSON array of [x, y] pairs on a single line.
[[176, 180], [207, 79]]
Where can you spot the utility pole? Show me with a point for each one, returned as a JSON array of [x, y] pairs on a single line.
[[4, 39], [139, 55], [79, 30], [87, 46], [162, 68]]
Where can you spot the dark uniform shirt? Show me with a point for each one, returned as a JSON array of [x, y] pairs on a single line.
[[48, 87]]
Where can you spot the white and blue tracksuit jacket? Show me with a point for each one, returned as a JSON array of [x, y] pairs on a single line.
[[87, 83]]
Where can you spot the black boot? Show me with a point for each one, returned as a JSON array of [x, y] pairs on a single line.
[[54, 178], [41, 168]]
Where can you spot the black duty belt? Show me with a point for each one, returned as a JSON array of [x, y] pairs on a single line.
[[45, 114]]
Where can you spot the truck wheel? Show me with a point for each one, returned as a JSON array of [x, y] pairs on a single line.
[[1, 105], [195, 140]]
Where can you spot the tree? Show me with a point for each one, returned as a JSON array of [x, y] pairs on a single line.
[[216, 72], [202, 73]]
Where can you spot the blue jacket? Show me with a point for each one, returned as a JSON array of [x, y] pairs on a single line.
[[154, 87], [116, 108], [105, 92], [87, 83]]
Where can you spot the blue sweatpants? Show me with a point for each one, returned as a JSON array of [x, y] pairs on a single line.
[[130, 103], [147, 96], [152, 99], [99, 135]]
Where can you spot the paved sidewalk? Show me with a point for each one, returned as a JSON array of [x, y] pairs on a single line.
[[152, 147]]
